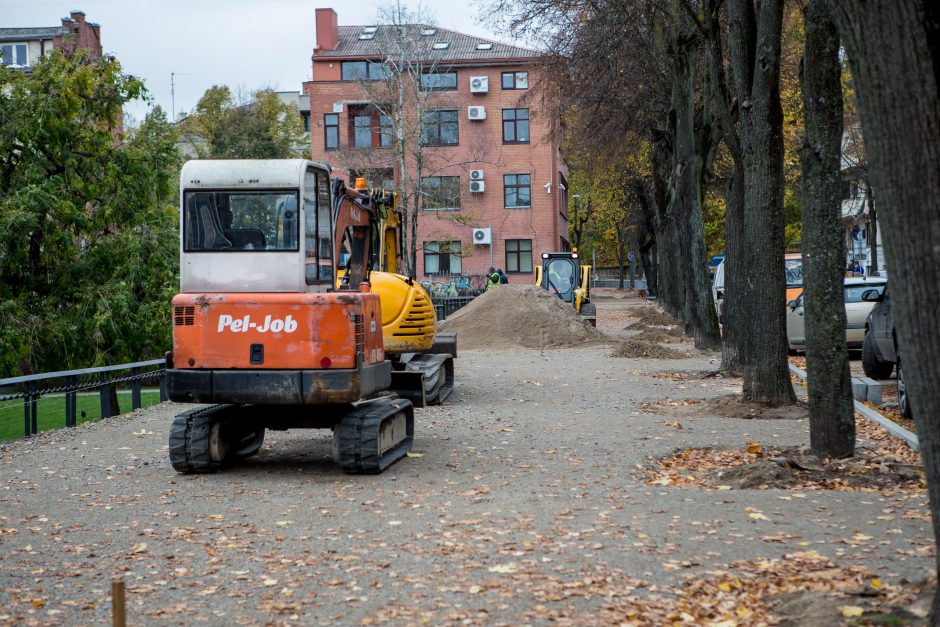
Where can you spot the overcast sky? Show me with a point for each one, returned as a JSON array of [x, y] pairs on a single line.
[[245, 44]]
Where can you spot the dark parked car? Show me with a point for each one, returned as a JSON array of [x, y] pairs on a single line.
[[880, 347]]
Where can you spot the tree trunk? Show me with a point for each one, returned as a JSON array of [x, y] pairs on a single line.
[[757, 71], [698, 310], [667, 277], [733, 353], [647, 236], [872, 231], [894, 52], [831, 412]]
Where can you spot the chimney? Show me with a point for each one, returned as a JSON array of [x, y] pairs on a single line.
[[78, 16], [327, 30]]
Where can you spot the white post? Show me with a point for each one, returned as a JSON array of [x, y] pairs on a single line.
[[491, 247]]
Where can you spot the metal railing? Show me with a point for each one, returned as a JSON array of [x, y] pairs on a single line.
[[69, 383], [446, 306]]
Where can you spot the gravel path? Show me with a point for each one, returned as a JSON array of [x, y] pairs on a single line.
[[524, 497]]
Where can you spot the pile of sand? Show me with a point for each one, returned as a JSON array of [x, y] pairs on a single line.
[[653, 316], [640, 348], [518, 315]]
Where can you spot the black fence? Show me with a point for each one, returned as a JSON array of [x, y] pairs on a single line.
[[446, 306], [70, 383]]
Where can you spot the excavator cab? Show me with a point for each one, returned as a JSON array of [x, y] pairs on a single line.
[[563, 275]]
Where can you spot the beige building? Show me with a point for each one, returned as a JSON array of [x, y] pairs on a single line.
[[22, 47]]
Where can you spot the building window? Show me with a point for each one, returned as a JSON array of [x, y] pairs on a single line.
[[331, 130], [439, 81], [375, 177], [364, 71], [517, 191], [518, 255], [442, 257], [515, 126], [515, 80], [440, 128], [385, 131], [362, 131], [305, 116], [14, 54], [440, 192]]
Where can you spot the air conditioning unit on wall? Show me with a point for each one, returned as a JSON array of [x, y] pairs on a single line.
[[476, 113], [483, 236], [479, 84], [477, 186], [476, 175]]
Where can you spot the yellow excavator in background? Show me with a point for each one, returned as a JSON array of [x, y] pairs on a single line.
[[422, 357], [563, 275]]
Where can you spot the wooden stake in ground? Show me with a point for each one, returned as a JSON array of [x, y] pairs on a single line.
[[118, 611]]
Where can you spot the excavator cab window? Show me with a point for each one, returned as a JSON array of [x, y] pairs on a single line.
[[318, 227], [240, 221]]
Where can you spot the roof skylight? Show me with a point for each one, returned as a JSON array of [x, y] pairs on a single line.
[[428, 32], [485, 45], [441, 45], [369, 29], [366, 35]]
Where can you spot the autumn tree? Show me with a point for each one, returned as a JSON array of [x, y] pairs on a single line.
[[88, 236], [628, 72], [893, 49], [260, 126]]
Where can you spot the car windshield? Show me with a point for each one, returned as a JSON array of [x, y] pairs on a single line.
[[240, 221], [853, 293], [794, 269]]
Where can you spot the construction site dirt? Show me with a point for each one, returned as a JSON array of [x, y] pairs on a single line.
[[555, 485]]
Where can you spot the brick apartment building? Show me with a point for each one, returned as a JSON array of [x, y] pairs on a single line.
[[491, 174], [21, 48]]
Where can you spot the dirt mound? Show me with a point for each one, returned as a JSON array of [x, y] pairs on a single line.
[[637, 347], [519, 315], [729, 406], [756, 467], [656, 334], [653, 316]]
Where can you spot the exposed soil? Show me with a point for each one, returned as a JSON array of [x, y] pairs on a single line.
[[792, 467], [679, 375], [662, 335], [637, 347], [519, 315], [654, 316], [729, 406]]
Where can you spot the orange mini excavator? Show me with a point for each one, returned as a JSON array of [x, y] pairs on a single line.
[[263, 334]]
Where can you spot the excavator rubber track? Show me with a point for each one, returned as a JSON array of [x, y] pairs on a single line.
[[423, 378], [205, 439], [375, 435]]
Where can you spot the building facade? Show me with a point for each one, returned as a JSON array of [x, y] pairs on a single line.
[[857, 205], [493, 184], [21, 48]]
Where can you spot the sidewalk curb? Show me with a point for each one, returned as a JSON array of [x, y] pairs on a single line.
[[892, 427]]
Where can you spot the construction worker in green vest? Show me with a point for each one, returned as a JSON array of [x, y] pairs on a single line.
[[492, 277]]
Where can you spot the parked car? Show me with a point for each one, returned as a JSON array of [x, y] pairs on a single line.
[[793, 266], [880, 346], [856, 312]]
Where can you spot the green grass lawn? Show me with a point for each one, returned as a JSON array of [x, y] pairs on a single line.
[[50, 412]]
